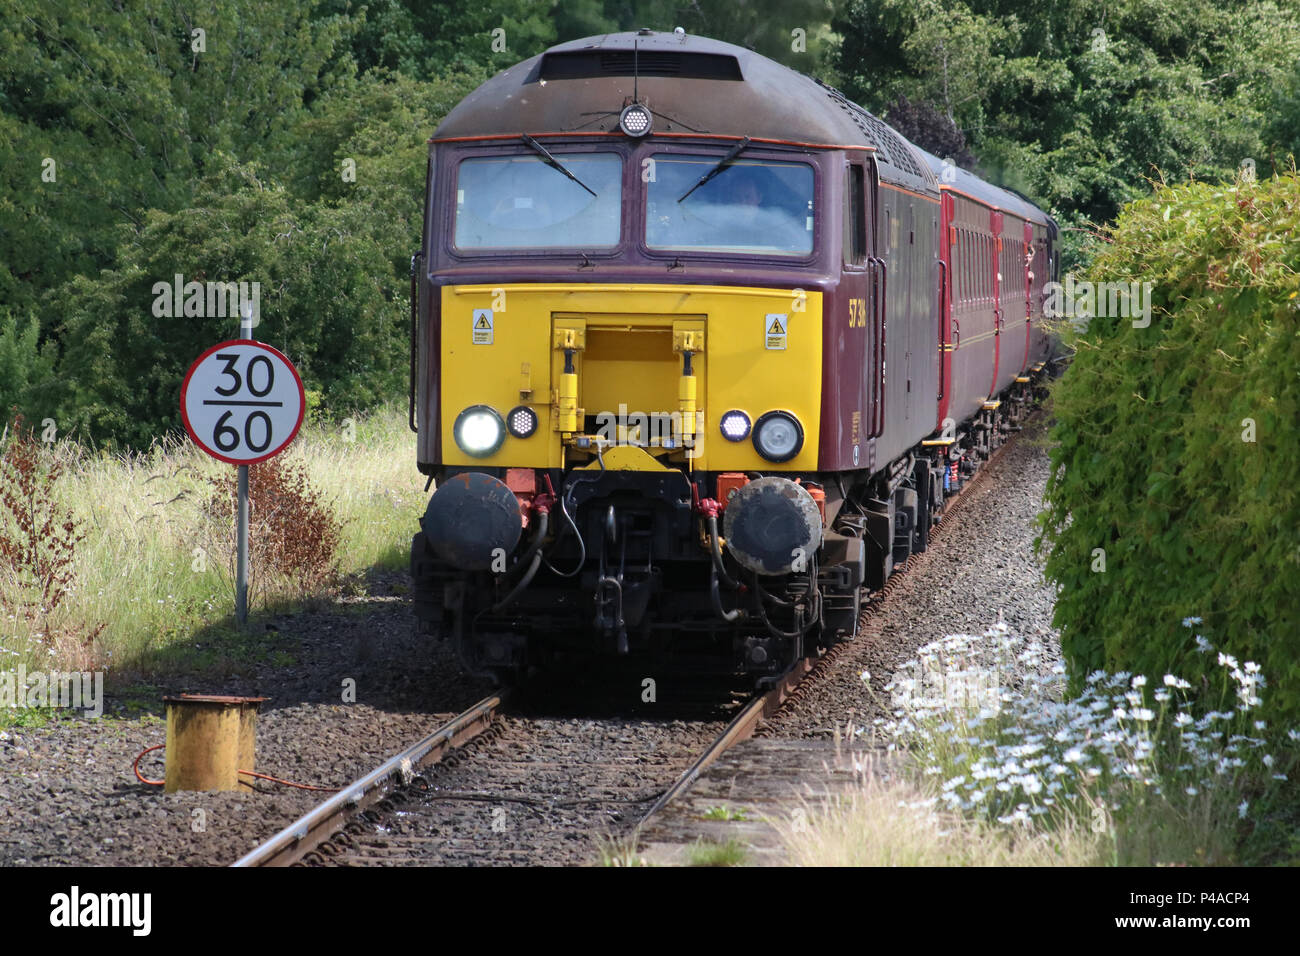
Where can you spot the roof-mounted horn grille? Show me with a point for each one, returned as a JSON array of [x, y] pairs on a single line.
[[589, 64]]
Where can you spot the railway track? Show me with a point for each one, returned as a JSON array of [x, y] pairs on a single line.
[[354, 806], [442, 800], [565, 779]]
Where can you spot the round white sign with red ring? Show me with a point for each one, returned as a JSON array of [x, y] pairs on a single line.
[[242, 402]]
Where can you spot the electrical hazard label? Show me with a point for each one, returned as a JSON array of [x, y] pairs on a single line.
[[482, 326], [775, 328]]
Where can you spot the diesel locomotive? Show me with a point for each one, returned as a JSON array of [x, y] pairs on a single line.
[[699, 350]]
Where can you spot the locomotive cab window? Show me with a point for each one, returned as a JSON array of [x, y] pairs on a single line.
[[855, 217], [522, 202], [758, 207]]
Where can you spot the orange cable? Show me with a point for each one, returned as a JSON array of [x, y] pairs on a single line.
[[290, 783], [135, 766]]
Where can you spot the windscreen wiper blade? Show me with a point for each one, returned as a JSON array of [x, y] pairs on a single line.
[[550, 160], [722, 164]]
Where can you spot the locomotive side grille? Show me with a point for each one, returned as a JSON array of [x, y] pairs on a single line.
[[870, 133], [589, 64], [890, 147]]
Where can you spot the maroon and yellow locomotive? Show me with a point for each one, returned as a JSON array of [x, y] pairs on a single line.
[[699, 349]]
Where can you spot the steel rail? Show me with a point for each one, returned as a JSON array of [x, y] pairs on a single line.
[[742, 727], [326, 820]]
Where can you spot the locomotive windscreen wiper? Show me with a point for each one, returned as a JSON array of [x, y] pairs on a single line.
[[550, 160], [723, 163]]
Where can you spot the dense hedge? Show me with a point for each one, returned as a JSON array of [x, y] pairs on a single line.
[[1177, 445]]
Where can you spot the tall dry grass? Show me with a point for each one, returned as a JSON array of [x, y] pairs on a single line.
[[893, 823], [154, 570]]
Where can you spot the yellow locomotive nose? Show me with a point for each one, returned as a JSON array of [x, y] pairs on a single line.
[[672, 370]]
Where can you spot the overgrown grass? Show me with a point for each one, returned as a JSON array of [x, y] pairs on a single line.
[[154, 570], [1007, 769], [895, 824], [707, 853], [618, 851], [724, 813]]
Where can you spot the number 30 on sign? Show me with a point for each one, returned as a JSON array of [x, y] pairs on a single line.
[[242, 402]]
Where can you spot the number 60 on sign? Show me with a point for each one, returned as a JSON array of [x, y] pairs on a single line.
[[242, 401]]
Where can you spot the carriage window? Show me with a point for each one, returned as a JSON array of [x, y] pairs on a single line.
[[959, 264], [751, 206], [983, 267], [967, 267], [968, 254], [963, 263], [520, 202]]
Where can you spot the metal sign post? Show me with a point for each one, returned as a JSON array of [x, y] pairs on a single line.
[[241, 550], [241, 520], [242, 402]]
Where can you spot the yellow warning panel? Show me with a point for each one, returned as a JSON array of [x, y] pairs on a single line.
[[482, 327], [775, 330]]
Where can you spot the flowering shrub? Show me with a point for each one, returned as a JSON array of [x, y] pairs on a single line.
[[988, 718]]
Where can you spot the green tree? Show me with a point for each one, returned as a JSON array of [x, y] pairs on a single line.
[[128, 105], [25, 366], [1080, 103]]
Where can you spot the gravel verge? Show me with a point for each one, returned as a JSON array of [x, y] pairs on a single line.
[[68, 795], [983, 566]]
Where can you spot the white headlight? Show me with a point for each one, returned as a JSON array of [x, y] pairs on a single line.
[[778, 436], [479, 431]]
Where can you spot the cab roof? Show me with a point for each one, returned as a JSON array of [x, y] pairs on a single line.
[[692, 85]]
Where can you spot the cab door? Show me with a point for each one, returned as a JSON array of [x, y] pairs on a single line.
[[848, 355]]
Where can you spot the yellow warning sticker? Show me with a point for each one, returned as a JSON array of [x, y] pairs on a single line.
[[775, 328], [482, 327]]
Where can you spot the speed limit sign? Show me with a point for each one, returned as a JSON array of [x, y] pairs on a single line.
[[242, 401]]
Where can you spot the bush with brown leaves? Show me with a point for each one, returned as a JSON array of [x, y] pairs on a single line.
[[292, 533], [38, 541]]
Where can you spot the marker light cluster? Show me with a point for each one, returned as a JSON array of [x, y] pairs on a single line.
[[635, 120], [522, 421], [479, 431], [735, 425]]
